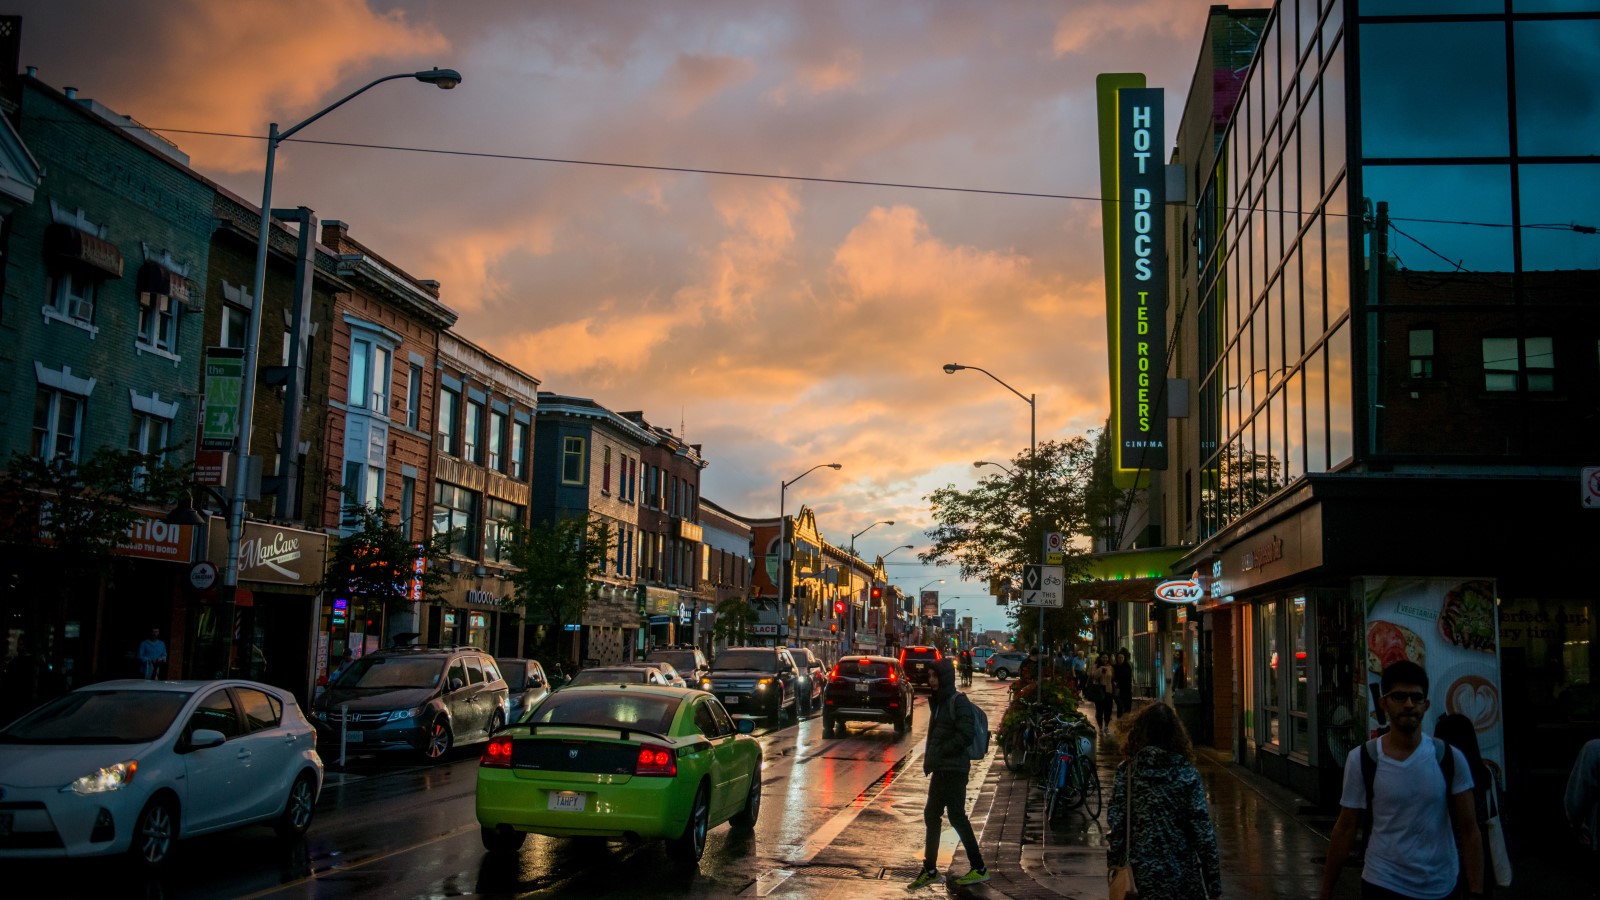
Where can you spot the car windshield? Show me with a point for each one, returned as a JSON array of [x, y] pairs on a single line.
[[612, 709], [745, 659], [863, 668], [682, 660], [99, 717], [515, 674], [921, 653], [610, 676], [388, 672]]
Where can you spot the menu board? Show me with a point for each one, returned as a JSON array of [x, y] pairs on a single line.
[[1448, 626]]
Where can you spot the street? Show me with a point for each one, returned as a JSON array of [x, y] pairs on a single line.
[[841, 818]]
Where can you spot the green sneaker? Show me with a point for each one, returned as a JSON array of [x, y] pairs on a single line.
[[976, 876], [923, 879]]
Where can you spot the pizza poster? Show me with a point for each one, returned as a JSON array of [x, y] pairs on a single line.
[[1448, 626]]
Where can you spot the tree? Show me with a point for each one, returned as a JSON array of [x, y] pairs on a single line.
[[555, 562], [734, 618], [378, 560], [996, 527]]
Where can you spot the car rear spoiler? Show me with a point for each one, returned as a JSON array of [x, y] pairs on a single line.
[[533, 728]]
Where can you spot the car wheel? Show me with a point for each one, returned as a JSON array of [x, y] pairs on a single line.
[[901, 724], [154, 833], [496, 722], [827, 725], [745, 819], [498, 841], [687, 848], [439, 741], [297, 809], [1001, 674]]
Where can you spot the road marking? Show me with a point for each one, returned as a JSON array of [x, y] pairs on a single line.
[[340, 869]]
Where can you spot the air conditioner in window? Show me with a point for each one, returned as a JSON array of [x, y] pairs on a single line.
[[80, 308]]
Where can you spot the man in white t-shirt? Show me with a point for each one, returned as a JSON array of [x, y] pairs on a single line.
[[1416, 823]]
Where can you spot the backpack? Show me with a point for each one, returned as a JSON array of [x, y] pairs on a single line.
[[979, 748], [1369, 773]]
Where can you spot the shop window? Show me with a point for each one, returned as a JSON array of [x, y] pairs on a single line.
[[449, 407], [455, 513], [572, 460], [1421, 341], [57, 424], [1271, 669], [1299, 674]]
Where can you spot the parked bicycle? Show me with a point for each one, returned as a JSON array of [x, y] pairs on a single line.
[[1073, 780]]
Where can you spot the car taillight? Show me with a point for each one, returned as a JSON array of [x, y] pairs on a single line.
[[834, 674], [656, 761], [497, 753], [893, 678]]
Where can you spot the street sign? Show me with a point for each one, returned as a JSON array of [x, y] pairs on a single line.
[[1042, 586], [1591, 487], [1055, 547]]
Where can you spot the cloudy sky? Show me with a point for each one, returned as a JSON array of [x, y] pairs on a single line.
[[780, 323]]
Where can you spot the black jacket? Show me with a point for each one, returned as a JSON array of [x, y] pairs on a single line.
[[949, 735]]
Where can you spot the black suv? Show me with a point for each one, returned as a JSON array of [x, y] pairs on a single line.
[[689, 662], [870, 689], [757, 681], [918, 663], [420, 699], [811, 679]]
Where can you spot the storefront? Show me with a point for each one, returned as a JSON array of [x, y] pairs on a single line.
[[472, 613]]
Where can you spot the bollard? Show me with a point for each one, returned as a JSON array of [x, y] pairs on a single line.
[[344, 730]]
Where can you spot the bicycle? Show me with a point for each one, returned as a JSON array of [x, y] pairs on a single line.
[[1017, 743], [1073, 780]]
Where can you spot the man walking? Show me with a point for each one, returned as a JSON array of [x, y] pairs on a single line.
[[152, 656], [1416, 795], [945, 760]]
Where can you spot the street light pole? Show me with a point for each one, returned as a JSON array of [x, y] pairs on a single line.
[[1033, 481], [445, 79], [785, 561], [851, 627]]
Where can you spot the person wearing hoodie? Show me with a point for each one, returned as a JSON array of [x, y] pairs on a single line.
[[1173, 850], [945, 761]]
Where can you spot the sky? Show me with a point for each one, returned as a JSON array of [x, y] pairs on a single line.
[[781, 324]]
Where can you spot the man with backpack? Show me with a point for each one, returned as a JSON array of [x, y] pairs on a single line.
[[953, 742], [1415, 794]]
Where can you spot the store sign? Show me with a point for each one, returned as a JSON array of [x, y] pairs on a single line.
[[272, 553], [482, 598], [764, 630], [153, 538], [1186, 591], [1266, 552], [224, 386]]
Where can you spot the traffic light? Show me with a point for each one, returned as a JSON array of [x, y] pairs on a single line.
[[877, 593]]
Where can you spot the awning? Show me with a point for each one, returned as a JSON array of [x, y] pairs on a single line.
[[1123, 590], [156, 280], [74, 245]]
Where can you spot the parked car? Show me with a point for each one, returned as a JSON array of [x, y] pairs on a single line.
[[981, 656], [526, 685], [759, 681], [636, 762], [414, 698], [918, 663], [811, 679], [636, 674], [208, 755], [1005, 664], [690, 662], [669, 675], [868, 689]]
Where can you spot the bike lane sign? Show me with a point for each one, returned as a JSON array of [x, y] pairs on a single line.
[[1043, 586]]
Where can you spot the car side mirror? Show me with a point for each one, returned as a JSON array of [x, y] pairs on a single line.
[[206, 738], [746, 726], [456, 684]]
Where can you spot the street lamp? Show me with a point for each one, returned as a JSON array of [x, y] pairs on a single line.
[[784, 556], [444, 79], [1033, 473], [850, 626], [984, 462]]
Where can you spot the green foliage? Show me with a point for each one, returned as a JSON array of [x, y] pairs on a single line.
[[734, 618], [556, 562], [378, 560]]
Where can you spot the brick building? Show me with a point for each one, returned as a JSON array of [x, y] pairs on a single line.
[[670, 535], [728, 570]]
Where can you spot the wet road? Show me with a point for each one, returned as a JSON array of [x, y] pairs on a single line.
[[840, 818]]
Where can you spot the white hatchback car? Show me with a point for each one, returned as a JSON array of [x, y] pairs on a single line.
[[130, 766]]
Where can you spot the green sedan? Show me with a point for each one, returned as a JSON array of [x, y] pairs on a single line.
[[636, 762]]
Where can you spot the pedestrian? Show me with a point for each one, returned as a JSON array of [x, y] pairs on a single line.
[[1417, 791], [1027, 676], [1180, 676], [1122, 683], [1458, 731], [152, 656], [1102, 684], [945, 760], [1582, 801], [1169, 842]]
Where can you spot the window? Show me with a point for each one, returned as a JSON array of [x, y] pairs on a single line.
[[408, 503], [1271, 669], [1541, 363], [519, 444], [497, 430], [57, 424], [363, 486], [1421, 342], [414, 397], [148, 436], [572, 452], [380, 380], [474, 670], [360, 363], [1502, 365], [449, 406], [215, 713], [158, 322], [495, 530], [455, 512], [472, 433], [605, 473], [261, 710], [235, 323], [72, 295]]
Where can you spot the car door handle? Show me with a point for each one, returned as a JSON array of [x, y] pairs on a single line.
[[244, 754]]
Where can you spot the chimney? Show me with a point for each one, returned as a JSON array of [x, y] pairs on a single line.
[[334, 234], [430, 285], [33, 71], [71, 92]]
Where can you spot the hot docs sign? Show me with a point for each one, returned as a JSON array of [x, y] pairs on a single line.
[[1187, 591]]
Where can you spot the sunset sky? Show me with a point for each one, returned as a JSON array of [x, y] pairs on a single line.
[[781, 324]]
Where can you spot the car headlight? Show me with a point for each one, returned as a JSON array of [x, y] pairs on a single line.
[[110, 778], [401, 715], [763, 683], [706, 684]]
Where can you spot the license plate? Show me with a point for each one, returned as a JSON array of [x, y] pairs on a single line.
[[862, 688], [730, 701], [567, 801], [355, 737], [5, 824], [919, 665]]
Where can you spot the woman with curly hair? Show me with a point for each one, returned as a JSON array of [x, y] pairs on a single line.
[[1169, 843]]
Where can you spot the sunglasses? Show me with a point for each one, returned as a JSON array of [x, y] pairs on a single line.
[[1416, 697]]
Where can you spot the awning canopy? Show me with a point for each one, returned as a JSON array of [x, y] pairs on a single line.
[[157, 280], [1124, 590], [79, 247]]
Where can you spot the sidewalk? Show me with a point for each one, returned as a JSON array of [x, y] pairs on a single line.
[[1271, 841]]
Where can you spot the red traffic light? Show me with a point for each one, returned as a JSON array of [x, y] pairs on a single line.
[[838, 607], [877, 593]]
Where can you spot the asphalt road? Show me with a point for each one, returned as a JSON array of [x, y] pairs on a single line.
[[840, 818]]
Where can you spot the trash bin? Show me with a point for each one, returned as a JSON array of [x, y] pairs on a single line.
[[1186, 701]]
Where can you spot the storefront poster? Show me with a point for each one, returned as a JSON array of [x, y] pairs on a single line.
[[1449, 627]]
